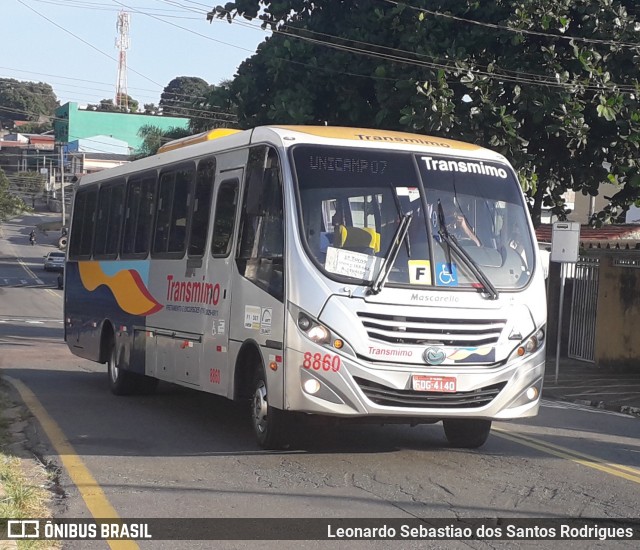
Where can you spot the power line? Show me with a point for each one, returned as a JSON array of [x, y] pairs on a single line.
[[180, 27], [204, 118], [500, 74], [518, 77], [517, 30], [189, 110], [177, 95], [82, 40], [105, 7]]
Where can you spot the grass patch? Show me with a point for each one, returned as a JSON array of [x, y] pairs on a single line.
[[21, 498], [22, 484]]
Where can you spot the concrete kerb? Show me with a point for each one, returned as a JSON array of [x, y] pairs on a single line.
[[625, 409]]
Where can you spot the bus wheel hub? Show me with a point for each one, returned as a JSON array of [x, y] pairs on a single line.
[[260, 408]]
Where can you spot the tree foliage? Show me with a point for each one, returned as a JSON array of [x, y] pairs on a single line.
[[26, 100], [179, 95], [217, 109], [154, 137], [551, 84], [10, 204], [109, 105], [28, 184]]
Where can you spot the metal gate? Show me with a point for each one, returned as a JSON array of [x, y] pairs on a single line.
[[584, 305]]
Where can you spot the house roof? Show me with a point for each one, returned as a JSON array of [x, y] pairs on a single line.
[[621, 236], [38, 145], [100, 156]]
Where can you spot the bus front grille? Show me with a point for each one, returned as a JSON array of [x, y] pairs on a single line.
[[391, 397], [398, 329]]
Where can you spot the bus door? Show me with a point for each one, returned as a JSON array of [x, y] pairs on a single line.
[[216, 357], [257, 307]]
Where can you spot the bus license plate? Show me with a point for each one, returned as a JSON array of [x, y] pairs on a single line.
[[443, 384]]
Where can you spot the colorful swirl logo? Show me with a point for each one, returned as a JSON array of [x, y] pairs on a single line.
[[126, 284]]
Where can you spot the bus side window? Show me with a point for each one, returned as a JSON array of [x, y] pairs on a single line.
[[261, 245], [108, 220], [171, 222], [81, 239], [201, 207], [224, 220], [138, 216]]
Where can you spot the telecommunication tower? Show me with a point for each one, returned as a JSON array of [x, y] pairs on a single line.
[[122, 43]]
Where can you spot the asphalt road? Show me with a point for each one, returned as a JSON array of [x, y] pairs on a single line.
[[182, 453]]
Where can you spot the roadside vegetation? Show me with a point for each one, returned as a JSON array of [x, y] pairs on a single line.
[[23, 479]]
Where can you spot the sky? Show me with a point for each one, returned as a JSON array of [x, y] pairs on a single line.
[[71, 45]]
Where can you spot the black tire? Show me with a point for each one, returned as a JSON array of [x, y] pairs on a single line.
[[466, 433], [62, 243], [121, 382], [269, 424]]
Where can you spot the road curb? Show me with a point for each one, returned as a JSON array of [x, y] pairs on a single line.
[[626, 409]]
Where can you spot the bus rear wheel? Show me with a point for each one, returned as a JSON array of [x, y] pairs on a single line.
[[121, 382], [466, 433], [269, 423]]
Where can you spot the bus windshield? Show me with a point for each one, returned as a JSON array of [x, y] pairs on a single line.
[[352, 201]]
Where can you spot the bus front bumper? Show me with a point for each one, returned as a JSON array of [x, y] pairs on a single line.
[[348, 388]]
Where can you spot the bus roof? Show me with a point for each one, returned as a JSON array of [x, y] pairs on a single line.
[[222, 139], [365, 135], [197, 138], [372, 136]]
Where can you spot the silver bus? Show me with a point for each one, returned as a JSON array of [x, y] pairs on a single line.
[[348, 273]]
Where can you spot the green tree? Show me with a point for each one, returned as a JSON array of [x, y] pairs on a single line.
[[109, 105], [217, 109], [181, 93], [132, 104], [154, 137], [551, 84], [28, 184], [150, 109], [32, 101], [104, 105], [36, 127], [10, 204]]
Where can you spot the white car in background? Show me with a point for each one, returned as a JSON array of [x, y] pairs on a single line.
[[54, 261]]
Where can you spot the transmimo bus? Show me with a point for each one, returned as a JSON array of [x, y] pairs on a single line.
[[350, 273]]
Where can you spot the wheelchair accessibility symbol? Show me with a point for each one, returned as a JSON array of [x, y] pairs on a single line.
[[446, 274]]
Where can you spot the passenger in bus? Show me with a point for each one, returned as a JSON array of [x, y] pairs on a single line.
[[457, 224]]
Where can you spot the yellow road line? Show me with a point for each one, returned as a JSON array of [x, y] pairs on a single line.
[[27, 268], [618, 470], [90, 490]]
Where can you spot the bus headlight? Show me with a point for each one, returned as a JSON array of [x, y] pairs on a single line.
[[532, 343], [317, 332], [304, 323]]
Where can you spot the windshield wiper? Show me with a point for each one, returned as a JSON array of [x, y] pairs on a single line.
[[385, 269], [453, 244]]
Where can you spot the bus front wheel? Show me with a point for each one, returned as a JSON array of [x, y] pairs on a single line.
[[466, 433], [269, 423], [121, 382]]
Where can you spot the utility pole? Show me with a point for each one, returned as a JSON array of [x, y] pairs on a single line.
[[122, 43], [64, 217]]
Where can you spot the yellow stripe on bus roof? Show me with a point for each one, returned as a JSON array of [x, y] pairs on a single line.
[[380, 136], [197, 138]]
